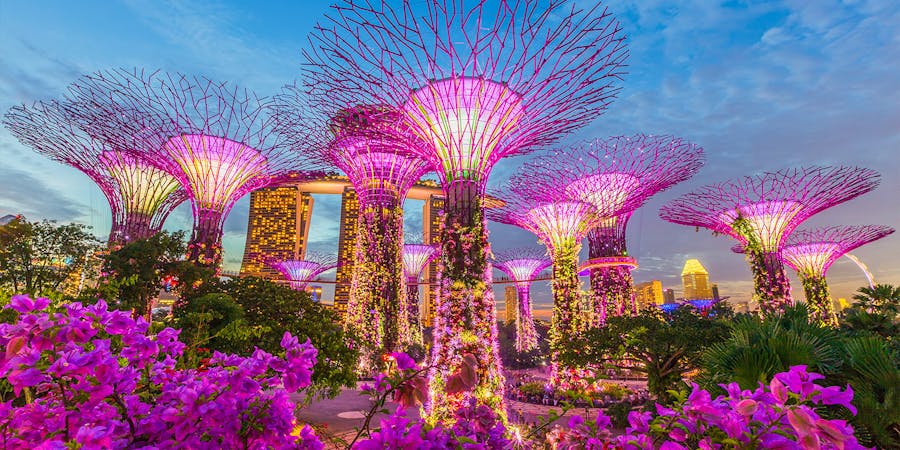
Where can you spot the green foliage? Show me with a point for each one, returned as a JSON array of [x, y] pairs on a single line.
[[876, 312], [41, 258], [269, 309], [532, 388], [216, 321], [663, 346], [513, 359]]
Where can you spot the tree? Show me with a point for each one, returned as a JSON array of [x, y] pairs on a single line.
[[513, 359], [136, 270], [663, 346], [39, 258], [881, 298]]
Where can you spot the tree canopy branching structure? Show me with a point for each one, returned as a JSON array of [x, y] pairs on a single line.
[[215, 138], [760, 210], [140, 195], [477, 81], [415, 258], [300, 272], [812, 252], [367, 143], [523, 265], [619, 172]]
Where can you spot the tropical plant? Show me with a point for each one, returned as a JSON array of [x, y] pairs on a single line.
[[881, 297]]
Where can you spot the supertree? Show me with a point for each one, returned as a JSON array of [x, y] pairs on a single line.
[[611, 173], [522, 266], [812, 252], [140, 196], [300, 272], [477, 84], [214, 138], [415, 258], [366, 143], [760, 210]]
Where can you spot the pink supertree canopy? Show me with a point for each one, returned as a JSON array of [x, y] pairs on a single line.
[[415, 258], [140, 195], [476, 81], [812, 252], [523, 265], [619, 173], [300, 272], [214, 138], [759, 211]]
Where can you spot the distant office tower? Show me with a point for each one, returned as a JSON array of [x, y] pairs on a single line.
[[431, 227], [668, 296], [511, 302], [276, 229], [648, 294], [696, 281], [346, 250], [316, 293], [715, 292]]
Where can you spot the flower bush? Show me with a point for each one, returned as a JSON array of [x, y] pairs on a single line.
[[87, 377]]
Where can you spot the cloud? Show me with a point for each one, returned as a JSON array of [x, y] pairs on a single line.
[[24, 193]]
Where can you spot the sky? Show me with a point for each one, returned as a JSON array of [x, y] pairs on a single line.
[[761, 86]]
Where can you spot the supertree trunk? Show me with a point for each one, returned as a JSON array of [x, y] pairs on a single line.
[[376, 305], [771, 287], [526, 335], [464, 322], [138, 226], [818, 299], [412, 310], [612, 292], [566, 306], [205, 246]]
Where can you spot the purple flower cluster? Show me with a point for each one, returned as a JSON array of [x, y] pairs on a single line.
[[778, 416], [94, 378]]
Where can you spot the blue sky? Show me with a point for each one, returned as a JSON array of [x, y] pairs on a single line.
[[760, 85]]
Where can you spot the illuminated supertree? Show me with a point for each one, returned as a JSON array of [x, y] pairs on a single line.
[[140, 196], [300, 272], [477, 84], [415, 258], [812, 252], [215, 138], [366, 143], [760, 210], [523, 265], [611, 174]]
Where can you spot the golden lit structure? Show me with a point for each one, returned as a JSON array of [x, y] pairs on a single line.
[[510, 296], [649, 294], [431, 227], [277, 227], [346, 249], [695, 279]]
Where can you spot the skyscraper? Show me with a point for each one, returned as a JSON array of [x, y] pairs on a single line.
[[431, 226], [695, 279], [715, 292], [668, 296], [648, 294], [277, 228], [509, 294], [346, 250]]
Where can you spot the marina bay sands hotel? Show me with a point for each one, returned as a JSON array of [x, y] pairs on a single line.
[[278, 229]]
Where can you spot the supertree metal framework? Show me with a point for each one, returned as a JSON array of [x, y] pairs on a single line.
[[140, 196], [523, 265], [415, 258], [300, 272], [760, 210], [477, 83], [812, 252], [613, 173], [215, 138], [366, 144]]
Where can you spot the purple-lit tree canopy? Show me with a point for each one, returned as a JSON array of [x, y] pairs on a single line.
[[415, 258], [476, 82], [522, 266], [812, 252], [619, 173], [300, 272], [366, 143], [214, 138], [760, 210], [140, 195]]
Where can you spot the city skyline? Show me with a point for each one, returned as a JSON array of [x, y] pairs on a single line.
[[776, 86]]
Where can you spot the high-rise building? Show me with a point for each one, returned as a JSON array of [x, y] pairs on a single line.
[[346, 250], [715, 292], [316, 293], [696, 281], [431, 228], [648, 294], [668, 296], [276, 229], [512, 302]]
